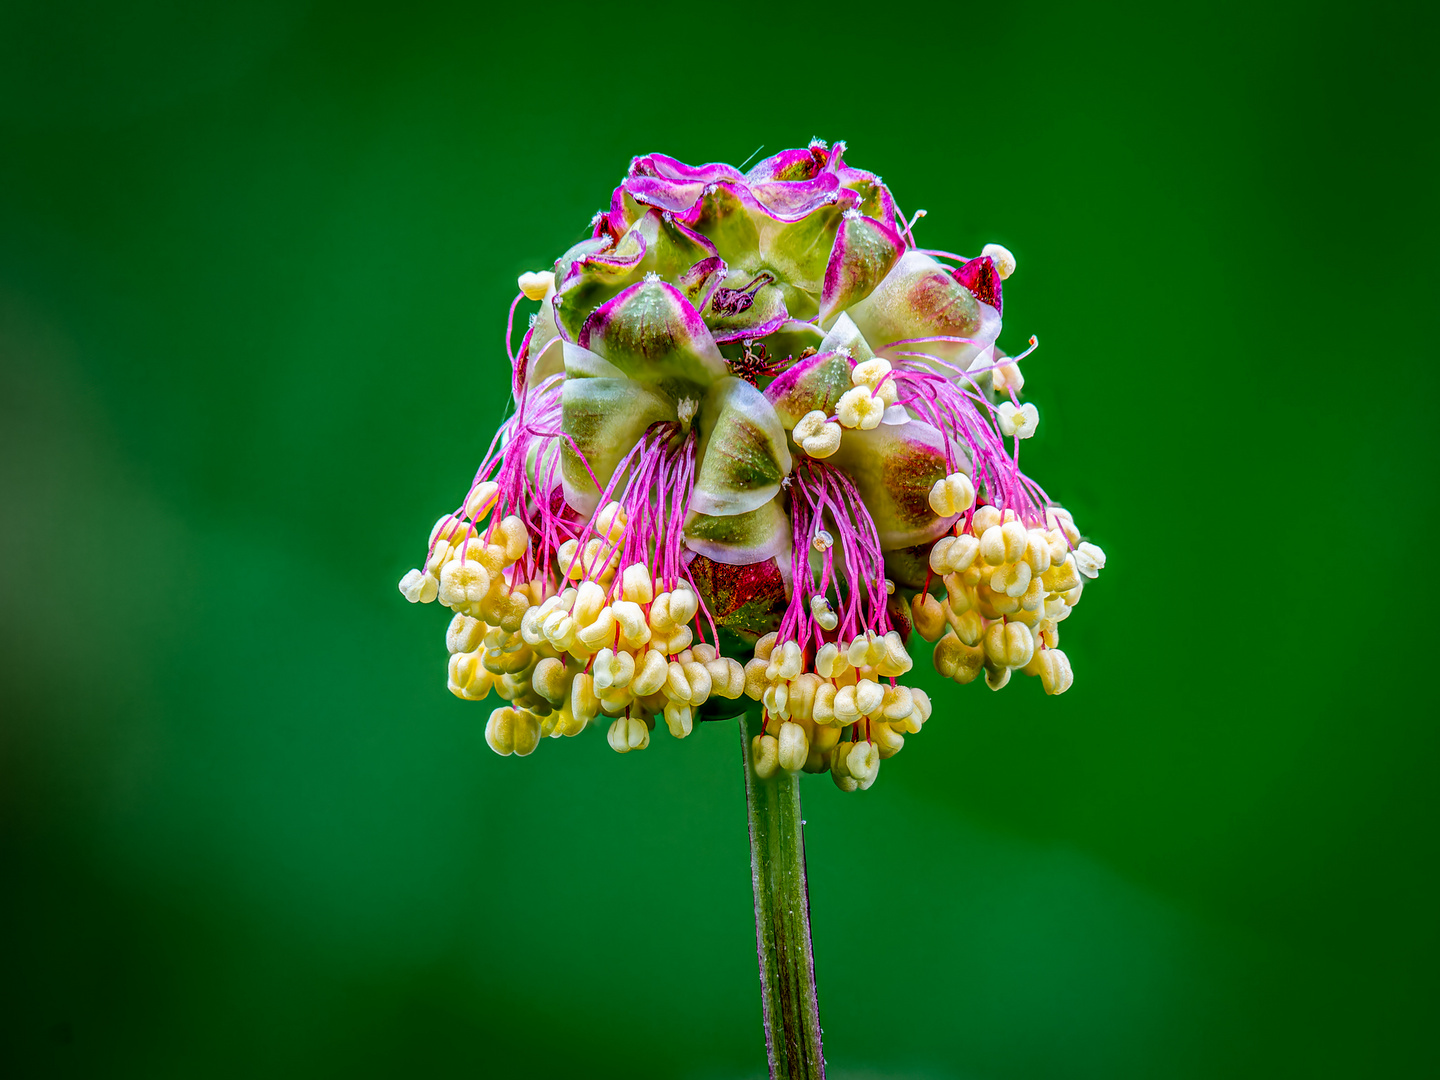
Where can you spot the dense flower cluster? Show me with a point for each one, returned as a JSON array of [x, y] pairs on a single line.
[[754, 419]]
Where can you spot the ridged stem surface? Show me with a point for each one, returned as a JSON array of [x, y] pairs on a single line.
[[782, 919]]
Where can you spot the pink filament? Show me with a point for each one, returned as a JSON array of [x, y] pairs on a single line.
[[821, 494]]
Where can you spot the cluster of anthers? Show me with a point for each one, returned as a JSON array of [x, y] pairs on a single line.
[[752, 416], [592, 624], [827, 676]]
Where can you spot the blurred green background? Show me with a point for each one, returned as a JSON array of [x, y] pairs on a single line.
[[254, 263]]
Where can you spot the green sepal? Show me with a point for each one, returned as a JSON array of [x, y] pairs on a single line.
[[652, 334], [596, 277], [799, 250], [721, 217], [654, 244], [865, 251], [816, 382]]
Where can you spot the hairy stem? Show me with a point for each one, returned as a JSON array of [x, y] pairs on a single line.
[[782, 919]]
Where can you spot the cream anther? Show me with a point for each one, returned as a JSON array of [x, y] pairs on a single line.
[[1037, 551], [599, 633], [634, 629], [464, 634], [680, 719], [1004, 260], [1057, 517], [683, 605], [951, 495], [1089, 560], [1020, 422], [792, 661], [418, 587], [513, 731], [816, 435], [765, 756], [1055, 674], [858, 408], [635, 583], [1012, 579], [792, 747], [928, 616], [550, 680], [628, 733], [868, 697], [822, 613], [481, 499], [863, 762], [463, 583], [992, 546], [536, 283], [1007, 379], [872, 375], [589, 601], [610, 521], [1009, 644], [652, 674], [513, 537]]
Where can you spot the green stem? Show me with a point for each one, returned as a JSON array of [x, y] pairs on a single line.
[[782, 919]]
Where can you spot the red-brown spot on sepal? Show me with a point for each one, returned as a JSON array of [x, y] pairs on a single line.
[[791, 165], [748, 600], [522, 362], [982, 279], [899, 612]]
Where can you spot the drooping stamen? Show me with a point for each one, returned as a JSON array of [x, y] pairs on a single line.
[[936, 253], [734, 301], [652, 486], [1034, 344], [517, 370], [907, 229], [822, 497], [532, 431], [949, 398]]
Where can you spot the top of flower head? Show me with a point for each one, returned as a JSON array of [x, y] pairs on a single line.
[[751, 409]]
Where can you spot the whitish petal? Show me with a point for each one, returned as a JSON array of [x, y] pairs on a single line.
[[743, 452], [741, 539]]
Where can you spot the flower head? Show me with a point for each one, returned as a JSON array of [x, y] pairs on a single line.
[[751, 414]]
